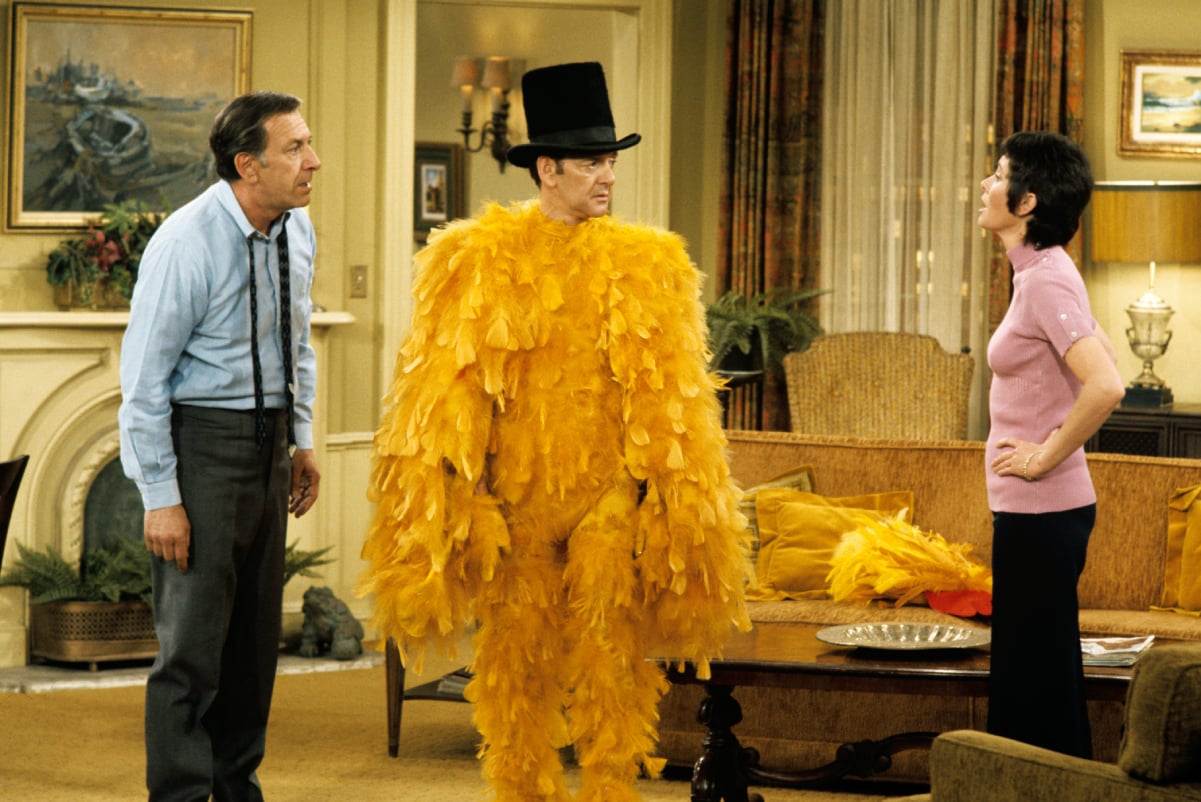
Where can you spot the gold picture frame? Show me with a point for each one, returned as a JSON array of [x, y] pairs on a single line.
[[109, 104], [438, 186], [1161, 104]]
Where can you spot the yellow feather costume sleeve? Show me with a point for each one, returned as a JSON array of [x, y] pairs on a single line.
[[434, 540], [562, 365], [693, 565]]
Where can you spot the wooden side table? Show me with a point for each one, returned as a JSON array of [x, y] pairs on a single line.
[[1164, 432]]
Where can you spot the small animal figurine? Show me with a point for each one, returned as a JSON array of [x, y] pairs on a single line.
[[329, 624]]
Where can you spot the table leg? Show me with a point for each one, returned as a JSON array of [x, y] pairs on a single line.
[[394, 682], [720, 773]]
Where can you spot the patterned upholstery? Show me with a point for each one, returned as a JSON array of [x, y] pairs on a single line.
[[879, 384]]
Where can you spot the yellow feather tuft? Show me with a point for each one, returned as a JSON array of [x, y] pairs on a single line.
[[889, 558]]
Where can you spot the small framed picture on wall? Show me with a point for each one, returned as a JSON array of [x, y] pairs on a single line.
[[1161, 104], [437, 186]]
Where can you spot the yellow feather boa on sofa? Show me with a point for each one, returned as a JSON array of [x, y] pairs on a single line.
[[551, 453]]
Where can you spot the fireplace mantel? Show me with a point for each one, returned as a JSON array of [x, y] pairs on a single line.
[[59, 394]]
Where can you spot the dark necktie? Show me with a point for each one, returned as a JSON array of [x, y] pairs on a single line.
[[285, 326]]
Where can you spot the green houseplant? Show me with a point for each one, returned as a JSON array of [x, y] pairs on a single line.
[[101, 610], [754, 333], [118, 571], [99, 269]]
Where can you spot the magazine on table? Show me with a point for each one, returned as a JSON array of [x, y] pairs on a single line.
[[1114, 651], [454, 682]]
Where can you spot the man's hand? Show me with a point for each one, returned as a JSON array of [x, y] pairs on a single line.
[[306, 480], [168, 533]]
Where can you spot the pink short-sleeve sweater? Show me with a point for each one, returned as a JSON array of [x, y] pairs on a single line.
[[1032, 387]]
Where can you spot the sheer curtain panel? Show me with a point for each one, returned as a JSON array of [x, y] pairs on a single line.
[[907, 113]]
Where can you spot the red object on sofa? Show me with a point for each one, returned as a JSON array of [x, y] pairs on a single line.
[[963, 603]]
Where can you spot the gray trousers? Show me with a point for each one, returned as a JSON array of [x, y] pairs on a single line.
[[218, 623]]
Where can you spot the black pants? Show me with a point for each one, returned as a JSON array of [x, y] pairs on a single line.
[[218, 623], [1036, 689]]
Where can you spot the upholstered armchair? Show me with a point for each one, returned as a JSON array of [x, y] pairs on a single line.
[[879, 384], [1159, 759]]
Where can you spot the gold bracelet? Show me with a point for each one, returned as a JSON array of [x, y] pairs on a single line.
[[1026, 465]]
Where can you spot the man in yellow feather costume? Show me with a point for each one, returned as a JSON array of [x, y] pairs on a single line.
[[551, 467]]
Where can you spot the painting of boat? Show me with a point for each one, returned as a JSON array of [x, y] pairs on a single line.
[[117, 141], [105, 110]]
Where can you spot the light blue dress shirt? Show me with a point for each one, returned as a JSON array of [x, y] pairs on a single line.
[[188, 340]]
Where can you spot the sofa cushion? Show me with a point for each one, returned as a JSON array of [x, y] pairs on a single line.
[[1161, 624], [798, 533], [1182, 562], [1162, 739], [799, 478]]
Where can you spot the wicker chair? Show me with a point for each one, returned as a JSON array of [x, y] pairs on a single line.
[[879, 384]]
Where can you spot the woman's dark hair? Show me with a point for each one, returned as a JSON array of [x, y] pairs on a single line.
[[239, 127], [1056, 171]]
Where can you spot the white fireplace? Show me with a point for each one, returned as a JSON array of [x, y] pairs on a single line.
[[59, 394]]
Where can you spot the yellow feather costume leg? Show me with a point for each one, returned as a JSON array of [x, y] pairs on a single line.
[[518, 688]]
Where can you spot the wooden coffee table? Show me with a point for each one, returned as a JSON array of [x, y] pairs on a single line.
[[791, 656]]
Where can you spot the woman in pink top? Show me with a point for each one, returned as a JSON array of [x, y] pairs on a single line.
[[1054, 383]]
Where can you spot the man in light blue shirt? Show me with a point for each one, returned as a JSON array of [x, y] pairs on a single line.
[[218, 381]]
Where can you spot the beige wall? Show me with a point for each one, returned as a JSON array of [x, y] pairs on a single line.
[[1111, 26]]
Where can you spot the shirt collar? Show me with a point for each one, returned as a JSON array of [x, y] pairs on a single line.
[[1024, 256], [229, 202]]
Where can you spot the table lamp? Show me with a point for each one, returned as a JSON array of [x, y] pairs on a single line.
[[1147, 222]]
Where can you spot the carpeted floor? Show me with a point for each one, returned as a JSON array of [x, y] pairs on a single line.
[[327, 743]]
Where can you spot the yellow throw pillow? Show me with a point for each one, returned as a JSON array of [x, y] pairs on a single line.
[[799, 531], [1182, 564], [796, 479]]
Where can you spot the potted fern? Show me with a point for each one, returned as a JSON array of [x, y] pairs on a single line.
[[752, 334], [100, 610], [97, 611]]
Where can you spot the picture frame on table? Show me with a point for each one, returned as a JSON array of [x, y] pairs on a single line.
[[109, 104], [1160, 104], [438, 186]]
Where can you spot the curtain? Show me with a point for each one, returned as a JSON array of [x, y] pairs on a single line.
[[1040, 87], [908, 105], [769, 219]]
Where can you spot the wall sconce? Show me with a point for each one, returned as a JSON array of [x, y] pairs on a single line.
[[1147, 221], [496, 79]]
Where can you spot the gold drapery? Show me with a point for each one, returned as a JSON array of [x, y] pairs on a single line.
[[1040, 87], [769, 219]]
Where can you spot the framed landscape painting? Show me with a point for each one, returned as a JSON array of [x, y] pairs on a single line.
[[1161, 104], [111, 104]]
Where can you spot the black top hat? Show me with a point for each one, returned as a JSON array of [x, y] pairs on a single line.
[[567, 111]]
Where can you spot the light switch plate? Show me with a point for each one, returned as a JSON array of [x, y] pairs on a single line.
[[358, 281]]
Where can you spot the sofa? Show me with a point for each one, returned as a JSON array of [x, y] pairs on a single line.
[[1159, 758], [1130, 554]]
